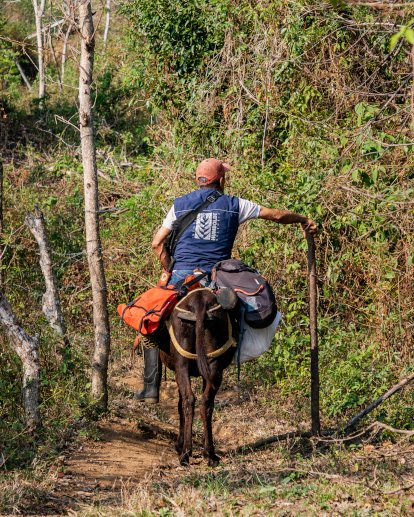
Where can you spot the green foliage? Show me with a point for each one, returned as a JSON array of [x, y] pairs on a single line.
[[310, 153], [251, 83], [179, 40], [10, 77], [404, 32], [65, 400]]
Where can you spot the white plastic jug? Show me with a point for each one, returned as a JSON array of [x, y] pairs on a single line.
[[256, 342]]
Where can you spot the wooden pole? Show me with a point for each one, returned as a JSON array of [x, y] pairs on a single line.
[[1, 224], [313, 331]]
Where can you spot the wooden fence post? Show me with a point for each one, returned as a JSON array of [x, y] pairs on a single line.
[[313, 331], [51, 300]]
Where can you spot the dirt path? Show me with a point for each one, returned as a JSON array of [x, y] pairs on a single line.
[[131, 445], [134, 440], [124, 452]]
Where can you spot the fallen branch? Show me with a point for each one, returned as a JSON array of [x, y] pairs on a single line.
[[107, 178], [347, 428], [399, 489], [377, 402], [308, 434], [271, 439]]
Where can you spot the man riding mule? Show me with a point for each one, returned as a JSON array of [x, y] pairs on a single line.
[[207, 241]]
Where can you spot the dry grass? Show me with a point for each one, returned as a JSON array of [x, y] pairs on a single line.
[[281, 481], [298, 477], [21, 489]]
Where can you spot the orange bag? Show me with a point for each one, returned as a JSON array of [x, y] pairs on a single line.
[[149, 310]]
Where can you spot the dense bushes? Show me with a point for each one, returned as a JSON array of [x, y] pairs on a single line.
[[311, 109]]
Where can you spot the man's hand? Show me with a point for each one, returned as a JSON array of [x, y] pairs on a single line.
[[310, 226], [286, 217], [158, 245]]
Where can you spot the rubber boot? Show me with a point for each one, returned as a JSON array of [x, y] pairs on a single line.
[[152, 377]]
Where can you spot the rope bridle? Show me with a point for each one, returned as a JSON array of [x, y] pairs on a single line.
[[212, 355]]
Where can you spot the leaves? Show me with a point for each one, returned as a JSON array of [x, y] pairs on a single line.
[[338, 3], [409, 35], [403, 32]]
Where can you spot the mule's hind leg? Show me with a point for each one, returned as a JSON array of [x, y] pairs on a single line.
[[180, 439], [188, 401], [206, 410]]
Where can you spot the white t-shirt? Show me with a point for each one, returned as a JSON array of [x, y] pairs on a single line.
[[247, 210]]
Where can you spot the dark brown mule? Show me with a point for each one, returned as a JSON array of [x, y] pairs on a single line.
[[207, 333]]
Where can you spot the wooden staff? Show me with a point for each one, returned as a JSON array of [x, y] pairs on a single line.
[[313, 330]]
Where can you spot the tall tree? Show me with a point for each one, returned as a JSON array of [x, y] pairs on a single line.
[[66, 35], [93, 241], [108, 19], [39, 10]]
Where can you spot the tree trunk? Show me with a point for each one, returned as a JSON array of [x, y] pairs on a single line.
[[51, 302], [25, 79], [108, 19], [66, 36], [65, 49], [93, 242], [52, 50], [27, 348], [39, 11]]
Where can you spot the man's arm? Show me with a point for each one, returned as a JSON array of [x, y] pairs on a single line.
[[286, 217], [158, 245]]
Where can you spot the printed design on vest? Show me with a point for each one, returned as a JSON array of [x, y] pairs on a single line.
[[207, 226]]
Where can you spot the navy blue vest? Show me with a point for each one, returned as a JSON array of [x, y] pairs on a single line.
[[211, 236]]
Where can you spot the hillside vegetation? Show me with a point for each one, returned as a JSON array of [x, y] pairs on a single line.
[[311, 107]]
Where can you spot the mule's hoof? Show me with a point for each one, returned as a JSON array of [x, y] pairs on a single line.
[[213, 462], [185, 459]]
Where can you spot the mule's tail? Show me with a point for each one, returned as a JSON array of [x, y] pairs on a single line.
[[202, 361]]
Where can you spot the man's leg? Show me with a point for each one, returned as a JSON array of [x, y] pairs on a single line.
[[152, 362], [152, 377]]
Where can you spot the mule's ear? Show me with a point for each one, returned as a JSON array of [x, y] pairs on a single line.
[[227, 298]]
